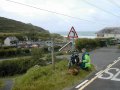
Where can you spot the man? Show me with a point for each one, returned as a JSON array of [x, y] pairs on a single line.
[[74, 59], [86, 62]]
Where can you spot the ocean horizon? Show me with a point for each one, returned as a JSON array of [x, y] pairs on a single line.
[[81, 34]]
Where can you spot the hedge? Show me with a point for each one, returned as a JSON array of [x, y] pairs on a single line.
[[13, 52], [19, 66], [89, 43], [86, 43]]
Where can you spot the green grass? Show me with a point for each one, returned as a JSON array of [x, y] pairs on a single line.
[[1, 83], [119, 47], [43, 78]]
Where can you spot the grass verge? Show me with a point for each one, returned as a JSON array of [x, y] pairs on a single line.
[[1, 84], [43, 78], [119, 47]]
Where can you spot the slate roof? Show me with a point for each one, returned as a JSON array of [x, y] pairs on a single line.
[[109, 30], [13, 38]]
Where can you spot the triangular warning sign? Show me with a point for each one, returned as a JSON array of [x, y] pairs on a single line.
[[72, 33]]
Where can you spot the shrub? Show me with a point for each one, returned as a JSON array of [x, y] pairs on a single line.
[[48, 57], [86, 43], [90, 43], [59, 53], [37, 53], [9, 52], [19, 66]]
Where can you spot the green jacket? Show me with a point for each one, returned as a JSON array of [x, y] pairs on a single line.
[[86, 60]]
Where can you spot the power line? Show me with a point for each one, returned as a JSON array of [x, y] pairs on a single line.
[[100, 8], [114, 3], [53, 12]]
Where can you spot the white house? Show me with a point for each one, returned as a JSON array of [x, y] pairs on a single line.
[[10, 41], [109, 32]]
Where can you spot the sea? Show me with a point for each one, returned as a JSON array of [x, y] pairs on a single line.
[[81, 34]]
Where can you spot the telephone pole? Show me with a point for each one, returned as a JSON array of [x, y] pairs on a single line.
[[52, 53]]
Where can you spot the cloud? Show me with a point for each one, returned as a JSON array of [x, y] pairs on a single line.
[[68, 7], [53, 22]]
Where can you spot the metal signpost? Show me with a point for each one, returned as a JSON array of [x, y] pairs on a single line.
[[72, 36]]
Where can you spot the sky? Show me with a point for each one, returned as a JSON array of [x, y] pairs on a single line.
[[98, 17]]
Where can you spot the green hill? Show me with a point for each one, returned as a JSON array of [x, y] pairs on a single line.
[[9, 25]]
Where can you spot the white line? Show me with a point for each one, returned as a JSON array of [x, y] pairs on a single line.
[[81, 84], [118, 58], [109, 65], [88, 83], [98, 74], [115, 60]]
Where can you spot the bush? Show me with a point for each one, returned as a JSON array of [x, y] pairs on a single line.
[[37, 53], [90, 43], [9, 52], [19, 66], [7, 47], [86, 43], [59, 53], [48, 58], [56, 48]]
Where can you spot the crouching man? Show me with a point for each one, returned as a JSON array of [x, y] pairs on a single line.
[[86, 61]]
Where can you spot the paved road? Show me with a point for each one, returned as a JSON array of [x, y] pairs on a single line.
[[8, 84], [109, 76], [108, 80]]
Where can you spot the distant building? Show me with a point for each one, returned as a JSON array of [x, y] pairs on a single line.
[[11, 41], [109, 32]]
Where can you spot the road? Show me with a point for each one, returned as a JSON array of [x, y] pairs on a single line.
[[107, 76]]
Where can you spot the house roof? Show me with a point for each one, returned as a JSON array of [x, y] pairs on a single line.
[[12, 38], [110, 30]]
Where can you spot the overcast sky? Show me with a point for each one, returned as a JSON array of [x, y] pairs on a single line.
[[59, 23]]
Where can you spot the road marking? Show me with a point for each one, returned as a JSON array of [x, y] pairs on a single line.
[[118, 58], [88, 83], [110, 75], [115, 77], [115, 61], [109, 65], [99, 74], [78, 86]]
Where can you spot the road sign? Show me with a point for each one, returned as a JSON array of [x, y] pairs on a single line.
[[110, 75], [72, 33]]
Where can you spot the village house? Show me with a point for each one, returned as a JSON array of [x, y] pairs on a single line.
[[11, 41], [109, 32]]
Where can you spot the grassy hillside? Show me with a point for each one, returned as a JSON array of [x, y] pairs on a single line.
[[43, 78], [9, 25]]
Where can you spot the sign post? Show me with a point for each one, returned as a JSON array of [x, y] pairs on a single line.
[[72, 35], [52, 52]]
